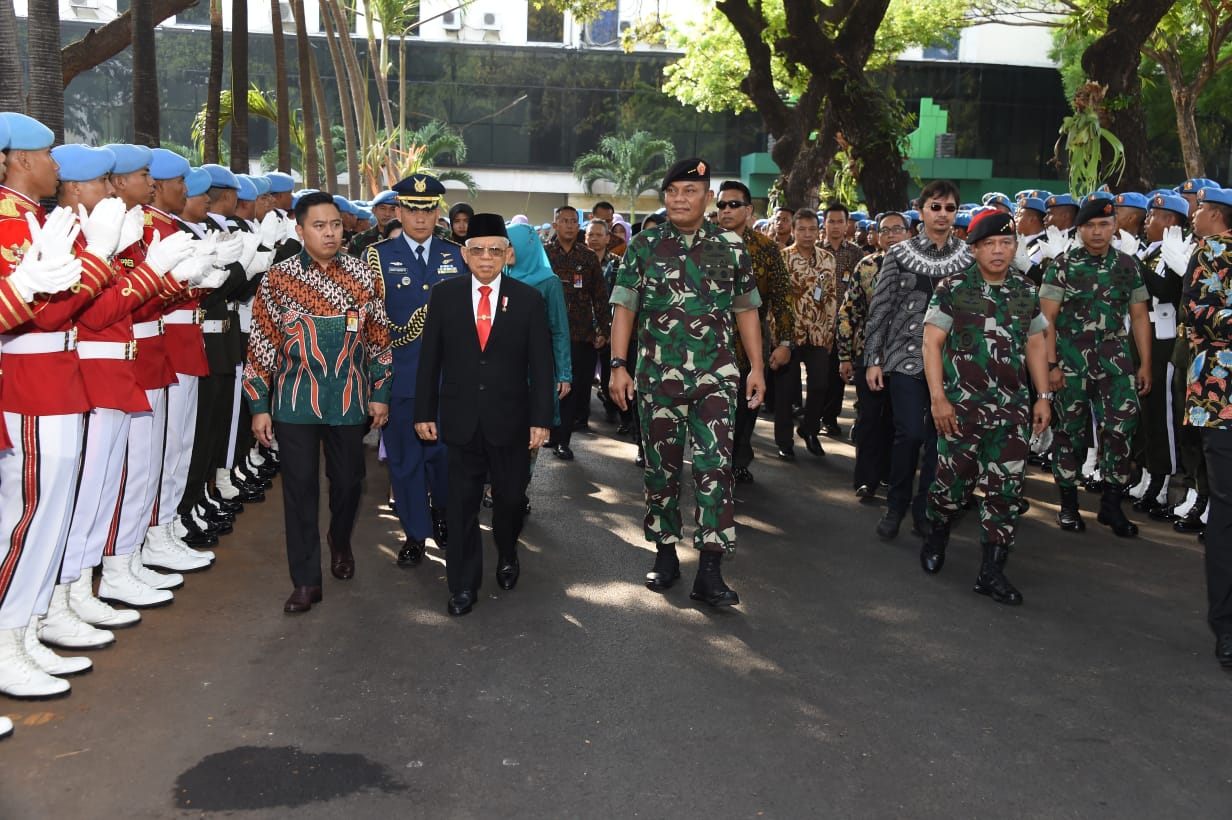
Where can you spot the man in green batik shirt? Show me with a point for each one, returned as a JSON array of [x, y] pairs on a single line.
[[688, 282], [1085, 295], [983, 328]]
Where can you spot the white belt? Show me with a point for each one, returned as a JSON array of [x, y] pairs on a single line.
[[184, 316], [124, 351], [216, 325], [24, 343], [147, 330]]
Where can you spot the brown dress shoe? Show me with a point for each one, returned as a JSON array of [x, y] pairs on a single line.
[[302, 599], [341, 561]]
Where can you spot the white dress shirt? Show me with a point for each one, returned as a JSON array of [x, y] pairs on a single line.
[[493, 297], [426, 245]]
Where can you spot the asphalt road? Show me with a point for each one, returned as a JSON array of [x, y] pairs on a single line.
[[847, 684]]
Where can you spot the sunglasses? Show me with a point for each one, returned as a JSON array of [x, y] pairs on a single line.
[[731, 203], [487, 250], [937, 206]]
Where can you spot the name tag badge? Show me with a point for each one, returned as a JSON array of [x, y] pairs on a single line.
[[817, 293], [352, 321], [577, 281], [444, 270]]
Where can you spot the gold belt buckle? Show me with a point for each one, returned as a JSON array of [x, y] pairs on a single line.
[[70, 340], [198, 316], [226, 325], [162, 328], [130, 350]]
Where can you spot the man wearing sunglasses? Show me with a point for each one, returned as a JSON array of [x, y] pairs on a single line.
[[893, 348]]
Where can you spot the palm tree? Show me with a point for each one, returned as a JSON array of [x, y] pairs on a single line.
[[632, 164], [283, 114], [10, 60], [239, 82], [260, 104], [427, 147], [326, 131], [145, 75], [45, 101], [333, 37], [303, 54], [213, 88]]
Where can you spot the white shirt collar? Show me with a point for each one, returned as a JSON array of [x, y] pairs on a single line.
[[426, 244]]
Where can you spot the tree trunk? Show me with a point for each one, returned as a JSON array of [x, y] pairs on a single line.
[[339, 41], [239, 86], [213, 88], [1112, 60], [877, 150], [283, 94], [327, 133], [303, 58], [378, 60], [10, 60], [145, 75], [402, 93], [45, 101], [1187, 130]]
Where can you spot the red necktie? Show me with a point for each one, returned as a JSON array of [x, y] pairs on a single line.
[[483, 318]]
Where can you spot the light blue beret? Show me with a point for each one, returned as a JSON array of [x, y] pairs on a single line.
[[1170, 201], [997, 198], [1219, 196], [82, 163], [1196, 184], [384, 198], [1133, 199], [221, 177], [261, 184], [166, 164], [247, 191], [280, 183], [1060, 200], [26, 133], [1033, 203], [129, 158], [197, 181]]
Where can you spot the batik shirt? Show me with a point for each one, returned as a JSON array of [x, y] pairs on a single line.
[[814, 300], [319, 348], [586, 293], [853, 312], [1208, 300], [778, 325]]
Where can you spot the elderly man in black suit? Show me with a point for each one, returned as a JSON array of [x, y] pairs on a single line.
[[486, 360]]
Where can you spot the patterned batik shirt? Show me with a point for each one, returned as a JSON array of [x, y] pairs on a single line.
[[685, 291], [846, 257], [984, 358], [814, 298], [1208, 300], [774, 288], [586, 294], [319, 348], [853, 312]]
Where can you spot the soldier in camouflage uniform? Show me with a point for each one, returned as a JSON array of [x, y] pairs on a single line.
[[687, 282], [1085, 295], [983, 325]]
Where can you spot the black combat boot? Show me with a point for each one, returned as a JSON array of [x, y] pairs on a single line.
[[440, 532], [992, 581], [1068, 517], [1192, 521], [1149, 503], [666, 570], [932, 554], [708, 586], [1111, 514]]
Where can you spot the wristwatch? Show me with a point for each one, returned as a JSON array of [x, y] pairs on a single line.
[[788, 344], [618, 362], [1053, 365], [1047, 394]]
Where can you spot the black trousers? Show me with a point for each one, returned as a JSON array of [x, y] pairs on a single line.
[[873, 433], [816, 362], [742, 429], [835, 390], [214, 396], [915, 444], [572, 405], [631, 415], [470, 464], [1217, 444], [299, 450]]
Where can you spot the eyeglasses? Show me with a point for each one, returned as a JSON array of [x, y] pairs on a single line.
[[487, 250], [731, 203], [893, 229], [937, 206]]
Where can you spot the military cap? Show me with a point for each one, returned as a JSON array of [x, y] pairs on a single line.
[[197, 181], [129, 158], [1060, 201], [1170, 201], [344, 205], [280, 183], [913, 215], [990, 222], [461, 208], [865, 224], [857, 216], [364, 213], [687, 170], [482, 225], [546, 226], [1094, 207], [1192, 186], [1033, 203], [221, 177], [1040, 193], [384, 198], [1216, 195], [1157, 191], [4, 134], [261, 184], [419, 191], [962, 219], [166, 164], [81, 163], [1100, 194], [247, 191], [302, 192], [1132, 199], [968, 206], [1021, 195], [26, 133], [997, 198]]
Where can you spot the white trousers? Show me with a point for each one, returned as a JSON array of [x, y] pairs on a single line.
[[180, 434], [93, 527], [141, 471], [235, 418], [38, 477]]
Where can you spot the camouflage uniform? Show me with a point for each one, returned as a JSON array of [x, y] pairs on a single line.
[[984, 364], [685, 295], [1093, 351]]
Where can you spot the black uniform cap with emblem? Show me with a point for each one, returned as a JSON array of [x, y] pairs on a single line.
[[422, 191], [687, 170], [990, 223], [1094, 208], [482, 225]]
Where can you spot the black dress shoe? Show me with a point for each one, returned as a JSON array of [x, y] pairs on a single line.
[[1223, 650], [302, 599], [831, 429], [787, 453], [228, 505], [623, 429], [742, 475], [708, 586], [563, 452], [411, 554], [196, 537], [460, 603], [865, 491], [250, 496], [666, 569], [507, 574], [341, 560], [811, 442], [887, 527]]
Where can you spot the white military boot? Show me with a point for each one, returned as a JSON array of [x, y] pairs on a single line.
[[1182, 509], [162, 552], [6, 727], [20, 676], [63, 628], [177, 541], [93, 611], [119, 584], [222, 480], [49, 661], [1138, 490], [147, 576]]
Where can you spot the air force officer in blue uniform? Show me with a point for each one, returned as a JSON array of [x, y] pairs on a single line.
[[411, 265]]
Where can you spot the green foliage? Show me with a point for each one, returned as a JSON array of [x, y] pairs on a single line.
[[260, 104], [633, 164], [1084, 138], [429, 147]]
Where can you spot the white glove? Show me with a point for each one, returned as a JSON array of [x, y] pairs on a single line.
[[214, 278], [250, 244], [55, 237], [132, 228], [1022, 258], [289, 227], [229, 249], [260, 264], [1053, 244], [271, 230], [165, 254], [1175, 251], [102, 226], [1128, 244], [193, 270]]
